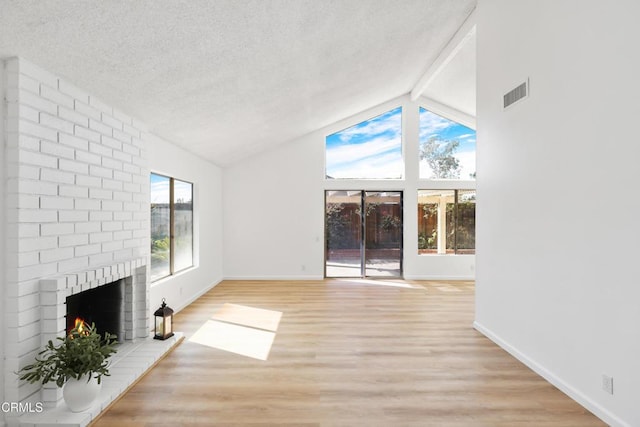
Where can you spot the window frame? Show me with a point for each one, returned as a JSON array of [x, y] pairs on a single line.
[[172, 243]]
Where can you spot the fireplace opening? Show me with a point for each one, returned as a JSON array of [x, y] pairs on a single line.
[[103, 306]]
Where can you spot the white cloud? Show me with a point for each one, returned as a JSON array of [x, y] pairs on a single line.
[[373, 127], [346, 154]]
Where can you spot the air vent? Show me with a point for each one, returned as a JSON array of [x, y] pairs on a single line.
[[516, 94]]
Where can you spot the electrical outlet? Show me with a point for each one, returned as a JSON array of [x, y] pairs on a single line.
[[607, 383]]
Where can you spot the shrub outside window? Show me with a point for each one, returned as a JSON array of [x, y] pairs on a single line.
[[446, 221], [171, 226]]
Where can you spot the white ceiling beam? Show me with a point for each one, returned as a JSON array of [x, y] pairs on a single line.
[[448, 112], [464, 33]]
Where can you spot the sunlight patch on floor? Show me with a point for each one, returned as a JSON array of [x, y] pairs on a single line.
[[250, 342], [249, 316], [239, 329]]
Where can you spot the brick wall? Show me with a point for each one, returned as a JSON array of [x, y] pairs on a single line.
[[77, 198]]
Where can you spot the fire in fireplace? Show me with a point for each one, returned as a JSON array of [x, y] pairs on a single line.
[[102, 306]]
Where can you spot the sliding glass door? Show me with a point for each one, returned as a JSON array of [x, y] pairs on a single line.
[[363, 233]]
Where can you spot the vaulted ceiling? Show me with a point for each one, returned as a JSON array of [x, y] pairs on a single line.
[[229, 78]]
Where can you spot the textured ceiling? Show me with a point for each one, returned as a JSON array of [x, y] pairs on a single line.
[[229, 78]]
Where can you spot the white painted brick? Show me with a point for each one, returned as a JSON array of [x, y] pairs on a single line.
[[122, 216], [23, 141], [141, 179], [38, 187], [87, 227], [23, 171], [24, 201], [47, 202], [100, 171], [122, 235], [73, 191], [22, 111], [122, 196], [73, 240], [73, 116], [135, 226], [111, 205], [56, 96], [125, 253], [126, 178], [74, 92], [111, 143], [100, 127], [112, 246], [24, 231], [100, 149], [97, 103], [86, 157], [53, 284], [74, 264], [56, 123], [122, 136], [37, 73], [111, 184], [28, 83], [141, 198], [119, 155], [131, 243], [86, 110], [131, 149], [56, 149], [112, 226], [88, 134], [111, 164], [100, 216], [57, 176], [37, 102], [73, 216], [100, 258], [35, 129], [53, 311], [27, 317], [139, 125], [37, 271], [88, 250], [131, 131], [28, 258], [111, 121], [73, 141], [98, 193], [56, 254], [37, 215], [100, 237], [89, 181], [133, 169], [73, 166], [37, 159], [87, 204], [56, 229]]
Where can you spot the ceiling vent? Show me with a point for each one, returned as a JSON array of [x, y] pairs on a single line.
[[515, 95]]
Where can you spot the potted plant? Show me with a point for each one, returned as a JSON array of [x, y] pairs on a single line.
[[76, 364]]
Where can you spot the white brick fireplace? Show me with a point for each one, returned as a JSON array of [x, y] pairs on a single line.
[[77, 213]]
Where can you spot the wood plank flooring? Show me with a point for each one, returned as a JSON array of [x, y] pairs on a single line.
[[345, 353]]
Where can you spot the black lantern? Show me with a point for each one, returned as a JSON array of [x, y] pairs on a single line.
[[164, 322]]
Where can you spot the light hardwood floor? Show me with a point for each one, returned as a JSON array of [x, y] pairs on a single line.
[[345, 353]]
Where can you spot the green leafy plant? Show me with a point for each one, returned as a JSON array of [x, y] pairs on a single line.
[[82, 352]]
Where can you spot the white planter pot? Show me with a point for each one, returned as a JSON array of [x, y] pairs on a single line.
[[80, 394]]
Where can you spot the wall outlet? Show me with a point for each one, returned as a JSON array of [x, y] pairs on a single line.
[[607, 383]]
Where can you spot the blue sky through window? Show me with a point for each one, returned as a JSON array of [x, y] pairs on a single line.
[[433, 125], [369, 150]]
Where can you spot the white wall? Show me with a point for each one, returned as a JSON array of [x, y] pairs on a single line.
[[3, 180], [179, 290], [274, 208], [557, 222]]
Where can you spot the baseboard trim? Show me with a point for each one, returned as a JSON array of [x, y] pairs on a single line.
[[567, 389], [197, 295], [431, 277]]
